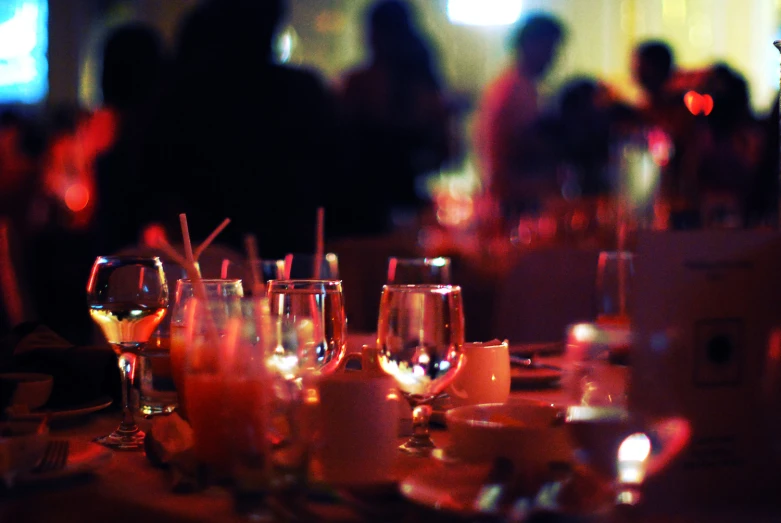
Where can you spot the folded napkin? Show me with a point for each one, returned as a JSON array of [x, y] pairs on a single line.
[[80, 373]]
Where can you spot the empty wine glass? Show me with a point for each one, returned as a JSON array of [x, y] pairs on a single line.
[[127, 298], [411, 271], [420, 335]]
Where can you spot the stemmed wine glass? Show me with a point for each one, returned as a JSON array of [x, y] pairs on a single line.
[[420, 335], [127, 297]]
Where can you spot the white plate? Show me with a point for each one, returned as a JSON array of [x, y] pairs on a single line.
[[65, 412], [83, 457]]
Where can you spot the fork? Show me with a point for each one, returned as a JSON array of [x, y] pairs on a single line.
[[55, 457]]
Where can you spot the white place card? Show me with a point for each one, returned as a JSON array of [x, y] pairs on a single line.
[[704, 306]]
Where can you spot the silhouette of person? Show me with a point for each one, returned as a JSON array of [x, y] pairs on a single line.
[[131, 83], [395, 116], [508, 111], [654, 70], [239, 135]]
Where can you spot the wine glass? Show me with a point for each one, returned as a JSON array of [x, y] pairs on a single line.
[[127, 298], [420, 335], [317, 305], [412, 271]]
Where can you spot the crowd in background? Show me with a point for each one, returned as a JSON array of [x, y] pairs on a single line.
[[216, 128]]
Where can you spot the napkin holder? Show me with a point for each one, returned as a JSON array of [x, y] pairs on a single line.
[[705, 304]]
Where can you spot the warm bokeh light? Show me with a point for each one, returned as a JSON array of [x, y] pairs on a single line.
[[632, 456], [77, 197], [698, 103], [154, 235], [484, 12]]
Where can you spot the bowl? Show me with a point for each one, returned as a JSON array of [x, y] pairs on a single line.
[[530, 433], [29, 389], [22, 445]]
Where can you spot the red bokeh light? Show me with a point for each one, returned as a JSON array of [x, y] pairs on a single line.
[[77, 197]]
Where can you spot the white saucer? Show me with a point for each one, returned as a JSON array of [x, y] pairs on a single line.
[[83, 457]]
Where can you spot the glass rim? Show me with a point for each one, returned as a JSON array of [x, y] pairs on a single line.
[[129, 258], [436, 261], [189, 281], [421, 287], [304, 282], [616, 254]]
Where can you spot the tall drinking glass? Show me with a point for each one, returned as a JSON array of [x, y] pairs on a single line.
[[224, 294], [420, 335], [412, 271], [615, 272], [309, 341], [127, 298], [212, 331]]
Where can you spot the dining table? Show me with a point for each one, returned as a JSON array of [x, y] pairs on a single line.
[[127, 487]]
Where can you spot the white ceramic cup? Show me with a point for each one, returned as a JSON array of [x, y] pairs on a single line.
[[484, 377], [358, 421]]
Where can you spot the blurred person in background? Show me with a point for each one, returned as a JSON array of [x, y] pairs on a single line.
[[132, 81], [516, 176], [725, 153], [21, 147], [238, 135], [663, 106], [396, 118]]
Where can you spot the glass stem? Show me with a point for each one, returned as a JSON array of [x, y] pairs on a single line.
[[420, 421], [127, 365]]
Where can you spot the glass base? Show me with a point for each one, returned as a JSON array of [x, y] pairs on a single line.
[[123, 440], [418, 446]]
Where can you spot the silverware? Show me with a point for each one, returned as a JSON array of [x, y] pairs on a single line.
[[54, 457]]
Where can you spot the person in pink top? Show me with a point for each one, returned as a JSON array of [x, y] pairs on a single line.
[[508, 112]]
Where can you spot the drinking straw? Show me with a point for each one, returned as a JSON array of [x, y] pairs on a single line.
[[166, 247], [188, 246], [198, 287], [224, 268], [319, 242], [8, 281], [209, 239], [251, 244]]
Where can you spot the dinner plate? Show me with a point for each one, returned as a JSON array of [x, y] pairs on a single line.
[[83, 457], [62, 413]]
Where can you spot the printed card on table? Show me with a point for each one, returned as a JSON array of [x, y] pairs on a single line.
[[704, 306]]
